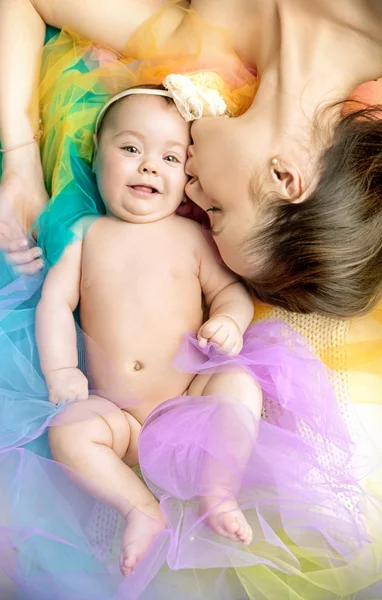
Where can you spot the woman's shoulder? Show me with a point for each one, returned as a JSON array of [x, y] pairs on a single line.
[[363, 16]]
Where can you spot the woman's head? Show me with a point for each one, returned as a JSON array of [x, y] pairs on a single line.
[[309, 245]]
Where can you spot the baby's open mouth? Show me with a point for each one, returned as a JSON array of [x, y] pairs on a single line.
[[144, 189]]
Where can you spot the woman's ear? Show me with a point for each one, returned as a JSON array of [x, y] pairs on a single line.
[[288, 179]]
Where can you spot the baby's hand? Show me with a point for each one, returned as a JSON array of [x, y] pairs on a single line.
[[65, 385], [224, 331]]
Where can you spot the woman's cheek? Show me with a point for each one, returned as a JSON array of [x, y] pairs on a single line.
[[195, 193]]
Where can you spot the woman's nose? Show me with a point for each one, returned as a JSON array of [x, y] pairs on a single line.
[[190, 151]]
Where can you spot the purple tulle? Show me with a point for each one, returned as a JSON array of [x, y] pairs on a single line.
[[300, 476], [295, 474]]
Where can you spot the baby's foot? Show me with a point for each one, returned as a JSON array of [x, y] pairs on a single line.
[[143, 525], [225, 518]]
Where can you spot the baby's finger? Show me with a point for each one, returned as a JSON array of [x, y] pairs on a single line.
[[209, 329], [24, 257], [220, 337], [235, 351], [64, 400], [53, 397], [202, 342], [202, 336], [82, 396], [228, 344]]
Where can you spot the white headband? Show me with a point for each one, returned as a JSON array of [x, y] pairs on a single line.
[[130, 92], [193, 96]]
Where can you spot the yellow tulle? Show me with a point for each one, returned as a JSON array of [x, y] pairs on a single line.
[[77, 79], [79, 76]]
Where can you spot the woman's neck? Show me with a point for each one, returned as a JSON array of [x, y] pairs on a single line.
[[307, 64]]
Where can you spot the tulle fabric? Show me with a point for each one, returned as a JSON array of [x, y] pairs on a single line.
[[301, 489], [78, 77], [312, 489]]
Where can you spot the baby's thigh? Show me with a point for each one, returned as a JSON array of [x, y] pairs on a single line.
[[236, 386], [130, 457], [92, 421]]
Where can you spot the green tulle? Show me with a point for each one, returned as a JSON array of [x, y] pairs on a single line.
[[68, 215]]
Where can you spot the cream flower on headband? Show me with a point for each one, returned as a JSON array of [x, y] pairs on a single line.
[[195, 96]]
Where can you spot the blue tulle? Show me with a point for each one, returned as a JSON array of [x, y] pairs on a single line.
[[45, 555], [69, 214]]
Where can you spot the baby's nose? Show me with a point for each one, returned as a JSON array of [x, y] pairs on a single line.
[[149, 167]]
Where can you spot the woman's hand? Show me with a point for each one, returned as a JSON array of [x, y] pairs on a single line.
[[22, 197]]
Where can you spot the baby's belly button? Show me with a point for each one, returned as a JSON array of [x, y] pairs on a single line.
[[135, 365]]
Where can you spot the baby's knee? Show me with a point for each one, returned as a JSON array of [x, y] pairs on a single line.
[[241, 388], [249, 393]]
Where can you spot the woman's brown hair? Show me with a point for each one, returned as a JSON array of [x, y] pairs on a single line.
[[324, 255]]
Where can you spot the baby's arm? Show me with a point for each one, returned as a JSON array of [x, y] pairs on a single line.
[[229, 302], [56, 330]]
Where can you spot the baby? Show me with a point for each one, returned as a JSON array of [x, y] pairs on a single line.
[[141, 273]]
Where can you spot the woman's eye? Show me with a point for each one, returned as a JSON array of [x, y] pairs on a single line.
[[131, 149], [172, 159]]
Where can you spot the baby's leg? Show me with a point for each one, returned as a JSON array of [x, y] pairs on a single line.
[[235, 427], [101, 448]]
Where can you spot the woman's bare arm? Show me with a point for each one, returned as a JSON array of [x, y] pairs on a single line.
[[108, 21], [22, 193], [22, 32]]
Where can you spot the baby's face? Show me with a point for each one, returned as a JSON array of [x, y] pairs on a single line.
[[140, 159]]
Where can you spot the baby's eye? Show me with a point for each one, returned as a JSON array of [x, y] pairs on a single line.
[[131, 149], [172, 158], [213, 209]]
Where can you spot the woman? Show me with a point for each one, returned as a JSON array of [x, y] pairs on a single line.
[[266, 160], [297, 117]]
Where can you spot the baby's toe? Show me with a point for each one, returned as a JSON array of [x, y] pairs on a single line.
[[128, 561], [245, 534], [231, 525]]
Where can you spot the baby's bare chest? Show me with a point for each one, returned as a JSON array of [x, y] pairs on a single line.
[[139, 271]]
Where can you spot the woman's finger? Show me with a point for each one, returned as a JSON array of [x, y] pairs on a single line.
[[13, 245], [30, 268], [24, 257]]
